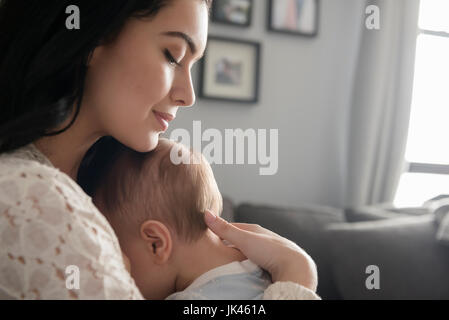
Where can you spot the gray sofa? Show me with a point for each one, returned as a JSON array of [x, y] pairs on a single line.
[[402, 243]]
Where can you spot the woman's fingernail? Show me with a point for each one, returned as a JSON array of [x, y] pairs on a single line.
[[210, 218]]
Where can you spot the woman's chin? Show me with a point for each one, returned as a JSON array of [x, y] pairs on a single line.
[[143, 141], [147, 145]]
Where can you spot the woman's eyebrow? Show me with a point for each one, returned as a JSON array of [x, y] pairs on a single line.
[[184, 36]]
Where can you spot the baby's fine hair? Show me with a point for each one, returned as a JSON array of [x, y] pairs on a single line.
[[149, 186]]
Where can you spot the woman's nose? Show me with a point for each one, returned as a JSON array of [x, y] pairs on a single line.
[[183, 92]]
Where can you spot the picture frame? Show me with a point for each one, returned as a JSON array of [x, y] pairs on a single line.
[[232, 12], [294, 17], [230, 70]]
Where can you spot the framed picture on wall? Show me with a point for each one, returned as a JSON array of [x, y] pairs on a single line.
[[296, 17], [232, 12], [229, 70]]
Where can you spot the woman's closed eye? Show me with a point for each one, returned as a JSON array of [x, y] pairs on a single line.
[[170, 58]]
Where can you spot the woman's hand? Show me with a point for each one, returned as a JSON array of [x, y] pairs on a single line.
[[282, 258]]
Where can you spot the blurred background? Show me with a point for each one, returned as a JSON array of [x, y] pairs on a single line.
[[359, 93]]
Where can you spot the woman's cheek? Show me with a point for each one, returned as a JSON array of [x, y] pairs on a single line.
[[150, 88], [160, 83]]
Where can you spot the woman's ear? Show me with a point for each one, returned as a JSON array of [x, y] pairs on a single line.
[[93, 57], [158, 240]]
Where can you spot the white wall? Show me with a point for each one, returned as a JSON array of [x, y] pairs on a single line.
[[305, 91]]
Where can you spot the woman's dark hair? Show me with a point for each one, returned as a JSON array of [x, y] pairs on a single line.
[[43, 64]]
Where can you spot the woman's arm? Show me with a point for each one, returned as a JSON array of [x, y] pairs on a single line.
[[292, 270]]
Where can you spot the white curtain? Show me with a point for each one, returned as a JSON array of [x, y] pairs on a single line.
[[380, 110]]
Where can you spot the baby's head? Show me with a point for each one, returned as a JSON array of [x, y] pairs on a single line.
[[156, 207]]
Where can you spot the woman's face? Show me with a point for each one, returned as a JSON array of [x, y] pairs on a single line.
[[146, 72]]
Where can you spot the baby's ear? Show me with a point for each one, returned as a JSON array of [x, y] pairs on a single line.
[[157, 239]]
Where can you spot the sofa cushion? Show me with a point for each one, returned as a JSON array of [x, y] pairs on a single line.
[[442, 219], [412, 264], [443, 231], [228, 209], [440, 208]]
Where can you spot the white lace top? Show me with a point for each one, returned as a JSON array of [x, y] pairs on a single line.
[[51, 236]]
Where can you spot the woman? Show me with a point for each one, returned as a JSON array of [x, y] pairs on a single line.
[[124, 73]]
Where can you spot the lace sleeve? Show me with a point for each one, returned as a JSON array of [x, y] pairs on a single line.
[[289, 291], [54, 243]]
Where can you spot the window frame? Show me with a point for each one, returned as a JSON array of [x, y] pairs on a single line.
[[432, 168]]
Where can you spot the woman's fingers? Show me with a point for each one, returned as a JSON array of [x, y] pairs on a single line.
[[243, 235], [254, 245], [253, 228], [227, 231], [282, 258]]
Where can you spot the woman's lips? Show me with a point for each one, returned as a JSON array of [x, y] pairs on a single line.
[[163, 118]]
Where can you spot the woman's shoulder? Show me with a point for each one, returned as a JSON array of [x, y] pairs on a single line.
[[26, 164], [22, 178], [38, 191], [26, 168], [11, 165], [48, 223]]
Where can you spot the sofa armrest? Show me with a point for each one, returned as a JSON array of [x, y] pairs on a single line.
[[383, 211], [412, 264]]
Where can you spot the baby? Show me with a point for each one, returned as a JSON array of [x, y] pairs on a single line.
[[156, 208]]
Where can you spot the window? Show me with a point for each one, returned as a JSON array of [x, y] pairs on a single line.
[[428, 139]]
